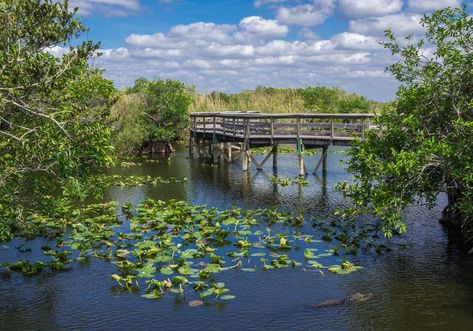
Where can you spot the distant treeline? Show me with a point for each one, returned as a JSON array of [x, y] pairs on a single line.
[[285, 100]]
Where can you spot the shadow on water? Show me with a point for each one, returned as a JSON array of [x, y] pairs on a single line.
[[426, 286]]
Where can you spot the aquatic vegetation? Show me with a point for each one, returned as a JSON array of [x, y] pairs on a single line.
[[344, 269], [183, 247], [350, 236], [173, 247], [129, 164], [288, 181], [107, 181]]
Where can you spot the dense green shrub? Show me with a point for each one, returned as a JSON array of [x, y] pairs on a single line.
[[165, 108], [51, 108], [150, 112]]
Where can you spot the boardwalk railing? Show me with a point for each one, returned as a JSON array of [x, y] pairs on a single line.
[[264, 129], [224, 132]]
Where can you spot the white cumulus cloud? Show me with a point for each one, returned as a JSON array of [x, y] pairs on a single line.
[[364, 8], [401, 24], [309, 14], [215, 57], [430, 5], [260, 26], [352, 40], [107, 7]]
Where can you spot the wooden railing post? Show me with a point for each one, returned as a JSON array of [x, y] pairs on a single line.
[[214, 122], [246, 130], [272, 130], [332, 130], [363, 127]]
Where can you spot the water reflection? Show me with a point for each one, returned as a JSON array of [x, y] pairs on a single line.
[[428, 285]]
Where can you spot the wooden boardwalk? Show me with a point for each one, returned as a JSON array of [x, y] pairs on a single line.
[[229, 132]]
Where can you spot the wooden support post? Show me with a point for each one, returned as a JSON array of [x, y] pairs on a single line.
[[199, 152], [322, 161], [246, 145], [245, 159], [196, 147], [300, 156], [324, 166], [221, 151], [191, 146], [301, 165], [275, 157], [229, 151], [215, 152]]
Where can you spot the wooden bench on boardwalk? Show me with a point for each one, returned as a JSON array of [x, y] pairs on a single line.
[[225, 132]]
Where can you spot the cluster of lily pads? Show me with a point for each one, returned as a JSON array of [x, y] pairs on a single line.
[[351, 236], [132, 163], [288, 181], [173, 247], [107, 181]]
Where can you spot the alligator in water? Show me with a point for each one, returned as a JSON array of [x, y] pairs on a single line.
[[358, 297]]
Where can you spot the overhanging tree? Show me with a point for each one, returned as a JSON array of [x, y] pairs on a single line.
[[50, 106], [424, 143]]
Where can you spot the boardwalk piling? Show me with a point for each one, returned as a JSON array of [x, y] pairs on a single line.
[[275, 157], [300, 156], [245, 160], [229, 151]]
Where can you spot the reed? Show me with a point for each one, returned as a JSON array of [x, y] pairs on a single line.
[[284, 100]]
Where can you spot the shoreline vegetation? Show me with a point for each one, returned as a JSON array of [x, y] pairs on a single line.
[[312, 99]]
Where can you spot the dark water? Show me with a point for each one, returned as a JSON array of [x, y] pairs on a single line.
[[427, 286]]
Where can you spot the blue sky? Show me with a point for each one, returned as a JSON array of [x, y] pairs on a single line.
[[232, 45]]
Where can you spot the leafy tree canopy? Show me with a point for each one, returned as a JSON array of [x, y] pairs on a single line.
[[423, 145], [166, 104], [51, 107], [149, 114]]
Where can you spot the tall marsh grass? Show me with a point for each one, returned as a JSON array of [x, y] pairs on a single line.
[[287, 100]]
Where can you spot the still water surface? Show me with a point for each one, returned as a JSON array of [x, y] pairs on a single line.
[[427, 286]]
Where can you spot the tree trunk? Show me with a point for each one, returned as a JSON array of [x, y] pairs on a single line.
[[158, 148], [458, 223]]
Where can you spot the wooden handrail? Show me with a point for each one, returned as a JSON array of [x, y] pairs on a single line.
[[285, 116], [249, 127]]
